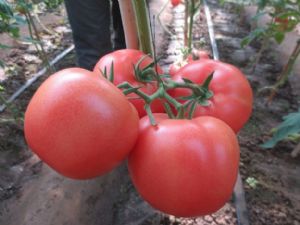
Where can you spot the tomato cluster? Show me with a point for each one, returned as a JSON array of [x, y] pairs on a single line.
[[83, 126]]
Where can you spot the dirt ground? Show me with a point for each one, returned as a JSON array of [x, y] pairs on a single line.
[[31, 193]]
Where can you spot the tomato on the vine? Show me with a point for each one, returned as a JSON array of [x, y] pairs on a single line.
[[283, 23], [175, 2], [232, 95], [185, 167], [123, 67], [79, 124]]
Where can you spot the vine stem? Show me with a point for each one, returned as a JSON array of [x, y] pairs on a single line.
[[186, 18], [143, 26], [286, 71], [190, 36], [32, 28], [199, 92]]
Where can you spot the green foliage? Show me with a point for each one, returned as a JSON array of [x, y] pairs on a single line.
[[10, 19], [290, 126], [52, 4], [285, 15]]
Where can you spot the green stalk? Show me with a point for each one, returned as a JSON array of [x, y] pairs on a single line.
[[143, 26], [190, 35], [42, 52], [286, 71], [186, 19]]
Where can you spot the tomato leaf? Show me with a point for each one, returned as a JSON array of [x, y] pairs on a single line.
[[2, 46], [6, 8], [187, 81], [279, 37], [258, 32], [207, 81], [2, 64], [290, 125]]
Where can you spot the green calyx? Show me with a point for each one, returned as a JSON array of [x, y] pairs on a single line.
[[199, 96]]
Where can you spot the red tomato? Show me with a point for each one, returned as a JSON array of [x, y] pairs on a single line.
[[80, 125], [185, 167], [175, 2], [232, 99], [283, 23], [123, 61]]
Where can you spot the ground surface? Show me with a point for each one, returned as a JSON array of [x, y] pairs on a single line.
[[33, 194]]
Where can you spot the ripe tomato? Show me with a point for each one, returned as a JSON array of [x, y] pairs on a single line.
[[232, 99], [283, 23], [80, 125], [185, 167], [175, 2], [124, 61]]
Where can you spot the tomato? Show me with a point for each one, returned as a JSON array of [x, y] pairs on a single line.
[[80, 125], [123, 61], [185, 167], [283, 23], [232, 99], [196, 55], [175, 2]]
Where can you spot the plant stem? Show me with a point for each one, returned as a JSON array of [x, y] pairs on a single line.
[[186, 18], [42, 52], [161, 23], [129, 24], [286, 71], [190, 36], [259, 54], [143, 26], [194, 87]]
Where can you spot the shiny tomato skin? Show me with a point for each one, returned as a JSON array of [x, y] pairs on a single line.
[[80, 125], [233, 98], [185, 168], [123, 61], [175, 2]]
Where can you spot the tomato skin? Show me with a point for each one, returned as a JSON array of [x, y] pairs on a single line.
[[185, 168], [80, 125], [233, 98], [124, 60], [175, 2], [283, 23]]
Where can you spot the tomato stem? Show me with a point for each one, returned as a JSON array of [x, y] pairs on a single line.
[[150, 114], [190, 35]]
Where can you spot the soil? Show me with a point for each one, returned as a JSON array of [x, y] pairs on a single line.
[[31, 193]]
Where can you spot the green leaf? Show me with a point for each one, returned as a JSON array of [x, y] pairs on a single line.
[[290, 125], [2, 64], [258, 15], [20, 20], [245, 41], [112, 73], [187, 81], [207, 81], [2, 46], [258, 32], [279, 37], [14, 31], [6, 8]]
